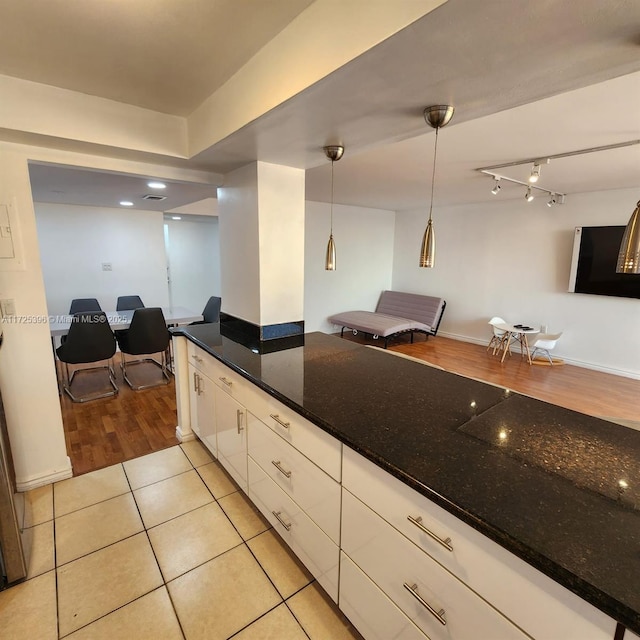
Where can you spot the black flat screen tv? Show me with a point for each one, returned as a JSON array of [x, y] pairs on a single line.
[[593, 264]]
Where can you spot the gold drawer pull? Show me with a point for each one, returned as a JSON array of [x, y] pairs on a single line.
[[418, 522], [277, 418], [281, 521], [227, 382], [276, 464], [438, 615]]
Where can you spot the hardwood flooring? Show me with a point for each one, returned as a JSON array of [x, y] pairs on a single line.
[[134, 423], [103, 432]]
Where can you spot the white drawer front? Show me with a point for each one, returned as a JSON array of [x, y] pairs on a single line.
[[312, 441], [312, 546], [547, 612], [394, 563], [317, 493], [370, 611]]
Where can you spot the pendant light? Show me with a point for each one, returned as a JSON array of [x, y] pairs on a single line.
[[629, 256], [437, 116], [334, 153]]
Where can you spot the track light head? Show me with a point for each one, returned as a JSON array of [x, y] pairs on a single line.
[[528, 196], [535, 173], [552, 201], [496, 187]]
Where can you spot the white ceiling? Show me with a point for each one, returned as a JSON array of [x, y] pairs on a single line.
[[165, 55], [528, 80]]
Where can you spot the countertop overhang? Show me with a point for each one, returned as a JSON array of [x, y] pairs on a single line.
[[557, 488]]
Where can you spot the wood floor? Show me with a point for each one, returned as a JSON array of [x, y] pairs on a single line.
[[103, 432]]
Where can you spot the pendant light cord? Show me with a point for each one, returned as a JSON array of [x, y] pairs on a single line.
[[331, 231], [433, 173]]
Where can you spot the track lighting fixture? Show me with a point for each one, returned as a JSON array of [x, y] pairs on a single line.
[[535, 173], [334, 153], [555, 196], [436, 116]]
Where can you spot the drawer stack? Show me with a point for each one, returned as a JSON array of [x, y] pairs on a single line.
[[446, 578], [294, 473]]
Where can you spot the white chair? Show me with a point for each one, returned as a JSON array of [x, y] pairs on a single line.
[[544, 342], [498, 336]]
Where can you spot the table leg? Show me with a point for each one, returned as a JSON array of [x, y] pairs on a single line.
[[507, 341], [525, 347]]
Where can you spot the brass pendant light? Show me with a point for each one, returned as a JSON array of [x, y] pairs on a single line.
[[629, 256], [436, 116], [334, 153]]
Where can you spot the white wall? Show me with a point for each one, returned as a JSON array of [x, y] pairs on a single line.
[[364, 249], [511, 258], [27, 373], [75, 241], [193, 253]]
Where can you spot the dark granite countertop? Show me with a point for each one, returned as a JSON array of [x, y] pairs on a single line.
[[557, 488]]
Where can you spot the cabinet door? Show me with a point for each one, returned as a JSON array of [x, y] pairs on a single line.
[[231, 423], [193, 399], [202, 409]]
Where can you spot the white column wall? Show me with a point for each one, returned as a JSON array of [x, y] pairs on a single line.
[[281, 241], [261, 211], [76, 240], [239, 248], [364, 249], [27, 373], [512, 258]]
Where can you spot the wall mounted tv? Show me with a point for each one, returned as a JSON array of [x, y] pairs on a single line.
[[593, 264]]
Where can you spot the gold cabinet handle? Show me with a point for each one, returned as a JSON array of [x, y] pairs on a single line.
[[418, 522], [239, 416], [281, 521], [284, 472], [281, 422], [199, 389], [438, 615], [195, 381], [227, 382]]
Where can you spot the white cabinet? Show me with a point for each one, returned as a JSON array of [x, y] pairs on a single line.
[[540, 606], [231, 423], [316, 492], [202, 409], [312, 546], [369, 609], [436, 601], [392, 559]]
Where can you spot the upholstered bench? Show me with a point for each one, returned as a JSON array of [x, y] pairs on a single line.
[[397, 312]]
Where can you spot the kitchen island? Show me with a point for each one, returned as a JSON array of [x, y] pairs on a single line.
[[554, 488]]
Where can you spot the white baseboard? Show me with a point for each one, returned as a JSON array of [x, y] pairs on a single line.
[[184, 437], [40, 481], [577, 363]]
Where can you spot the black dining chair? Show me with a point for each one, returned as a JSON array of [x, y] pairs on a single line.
[[84, 304], [147, 334], [89, 340], [211, 311], [127, 303]]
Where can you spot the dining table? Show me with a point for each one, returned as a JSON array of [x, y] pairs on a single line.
[[515, 333], [122, 319]]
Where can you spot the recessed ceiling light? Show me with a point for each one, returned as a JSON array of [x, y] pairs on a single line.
[[176, 218], [156, 185], [126, 203]]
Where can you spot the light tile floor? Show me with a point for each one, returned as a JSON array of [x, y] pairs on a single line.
[[164, 547]]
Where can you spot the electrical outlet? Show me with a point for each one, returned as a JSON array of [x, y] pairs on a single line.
[[106, 266]]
